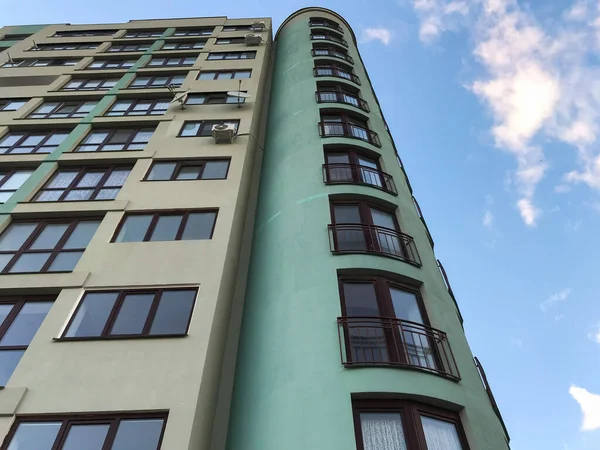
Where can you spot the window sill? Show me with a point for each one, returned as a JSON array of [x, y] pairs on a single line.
[[118, 338]]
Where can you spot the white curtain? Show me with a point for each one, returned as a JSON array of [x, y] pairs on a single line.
[[382, 431], [440, 435]]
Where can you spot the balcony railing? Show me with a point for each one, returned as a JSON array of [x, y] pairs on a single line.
[[384, 341], [488, 389], [357, 174], [333, 53], [329, 37], [341, 97], [333, 26], [343, 129], [334, 72], [360, 238]]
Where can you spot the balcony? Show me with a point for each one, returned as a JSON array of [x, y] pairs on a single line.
[[329, 37], [357, 174], [324, 71], [349, 130], [326, 96], [384, 341], [349, 238], [326, 24], [333, 53]]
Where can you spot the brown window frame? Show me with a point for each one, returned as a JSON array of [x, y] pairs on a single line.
[[85, 81], [326, 35], [359, 174], [328, 92], [232, 41], [179, 164], [152, 78], [133, 34], [59, 47], [107, 61], [94, 418], [56, 110], [114, 314], [54, 252], [6, 175], [323, 22], [82, 171], [215, 98], [233, 73], [201, 31], [83, 33], [31, 62], [37, 147], [332, 51], [184, 45], [158, 214], [410, 413], [119, 47], [251, 54], [111, 133], [151, 111], [166, 59], [204, 124]]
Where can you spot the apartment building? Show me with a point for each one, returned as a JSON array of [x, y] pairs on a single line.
[[208, 242]]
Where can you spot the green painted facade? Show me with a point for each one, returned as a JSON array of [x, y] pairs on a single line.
[[291, 390]]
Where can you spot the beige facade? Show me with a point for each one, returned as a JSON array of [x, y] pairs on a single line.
[[185, 375]]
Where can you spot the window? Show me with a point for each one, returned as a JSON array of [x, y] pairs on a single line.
[[158, 81], [397, 424], [185, 45], [174, 61], [40, 62], [340, 93], [45, 245], [335, 70], [14, 37], [62, 110], [212, 98], [115, 139], [12, 104], [166, 226], [331, 50], [89, 84], [117, 431], [139, 107], [67, 46], [32, 142], [114, 314], [129, 47], [11, 180], [112, 64], [84, 33], [20, 318], [232, 55], [322, 22], [83, 183], [237, 28], [143, 34], [224, 74], [212, 169], [346, 165], [326, 36], [235, 40], [193, 32], [204, 128], [346, 125]]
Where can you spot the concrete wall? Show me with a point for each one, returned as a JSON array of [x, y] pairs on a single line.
[[291, 389]]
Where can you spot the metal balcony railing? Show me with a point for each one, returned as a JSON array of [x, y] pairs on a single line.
[[359, 238], [331, 96], [357, 174], [344, 129], [333, 53], [488, 390], [329, 37], [385, 341], [325, 24], [323, 71]]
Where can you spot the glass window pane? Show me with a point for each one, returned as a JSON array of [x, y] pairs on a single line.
[[30, 262], [166, 228], [79, 195], [207, 76], [440, 434], [33, 140], [92, 314], [173, 312], [107, 194], [4, 311], [214, 170], [189, 173], [96, 137], [17, 180], [49, 237], [190, 129], [34, 436], [90, 437], [90, 179], [4, 196], [26, 324], [405, 305], [134, 228], [199, 226], [120, 137], [161, 171], [137, 435], [16, 234], [132, 314], [62, 179], [4, 259], [48, 196], [360, 300], [56, 139], [382, 431], [82, 235], [65, 261], [143, 136], [346, 214]]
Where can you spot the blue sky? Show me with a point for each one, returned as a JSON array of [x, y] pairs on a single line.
[[495, 109]]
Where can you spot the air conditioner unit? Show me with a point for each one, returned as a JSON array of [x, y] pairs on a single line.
[[258, 26], [223, 133], [253, 40]]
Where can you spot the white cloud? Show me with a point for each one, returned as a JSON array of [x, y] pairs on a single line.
[[539, 80], [555, 298], [488, 219], [590, 407], [381, 34]]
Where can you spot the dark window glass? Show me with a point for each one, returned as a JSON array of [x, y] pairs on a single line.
[[231, 55], [65, 46], [112, 64], [235, 40], [34, 436], [172, 61], [161, 226], [152, 312], [157, 81], [12, 104], [62, 110], [204, 128], [224, 74], [139, 107], [40, 62], [213, 98], [237, 28], [129, 47], [115, 139], [134, 228], [143, 33], [95, 84], [184, 45], [193, 32], [32, 142], [84, 33]]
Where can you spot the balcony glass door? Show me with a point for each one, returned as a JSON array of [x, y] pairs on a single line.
[[350, 234], [369, 171], [386, 231], [339, 169]]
